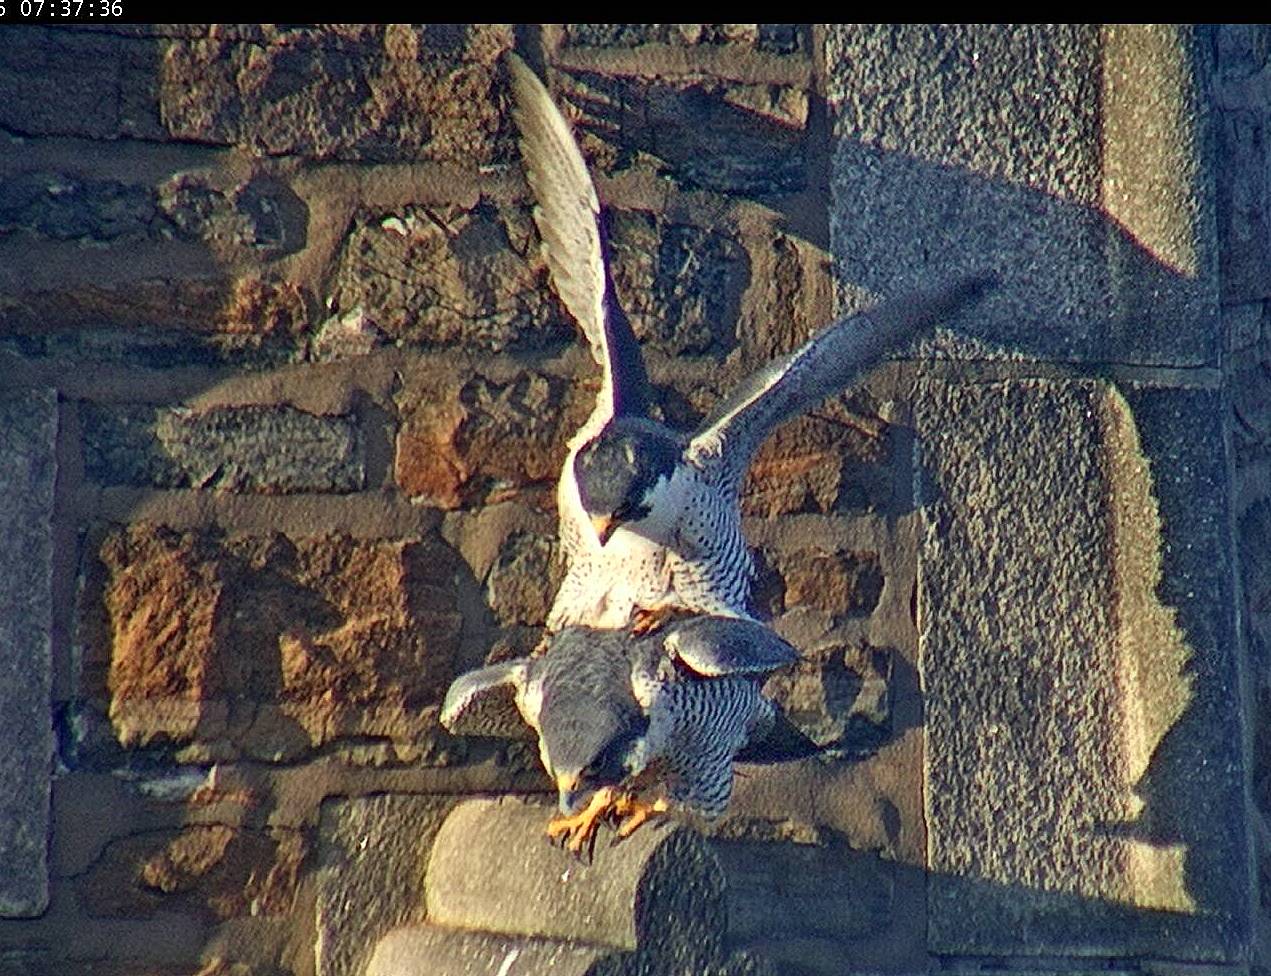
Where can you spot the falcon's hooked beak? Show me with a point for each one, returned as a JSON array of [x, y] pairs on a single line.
[[605, 525]]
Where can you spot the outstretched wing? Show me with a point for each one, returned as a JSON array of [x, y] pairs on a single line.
[[714, 646], [484, 702], [569, 222], [827, 363]]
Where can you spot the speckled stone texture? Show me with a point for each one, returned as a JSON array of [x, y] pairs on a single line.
[[1083, 774], [1069, 159], [499, 897], [313, 389], [28, 434]]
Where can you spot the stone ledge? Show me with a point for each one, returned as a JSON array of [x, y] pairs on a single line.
[[498, 895]]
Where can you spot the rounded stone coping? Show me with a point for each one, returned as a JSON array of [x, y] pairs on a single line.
[[427, 950], [492, 869]]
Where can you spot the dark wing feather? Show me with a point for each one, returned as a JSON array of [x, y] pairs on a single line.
[[568, 218], [483, 702], [826, 364], [715, 646]]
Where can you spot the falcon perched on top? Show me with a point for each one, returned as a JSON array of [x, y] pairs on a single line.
[[649, 516], [617, 714]]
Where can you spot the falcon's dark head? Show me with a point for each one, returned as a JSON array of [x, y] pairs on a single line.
[[579, 775], [588, 721], [623, 471]]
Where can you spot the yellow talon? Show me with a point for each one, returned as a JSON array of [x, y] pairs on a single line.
[[581, 827], [636, 813], [647, 621]]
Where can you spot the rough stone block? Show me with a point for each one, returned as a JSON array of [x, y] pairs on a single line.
[[660, 890], [363, 93], [725, 136], [217, 871], [467, 435], [159, 322], [838, 695], [1243, 159], [474, 278], [236, 219], [835, 460], [523, 579], [777, 38], [372, 856], [263, 449], [28, 435], [111, 93], [1069, 159], [449, 276], [1084, 773], [125, 249], [680, 285], [838, 584], [1243, 205], [266, 645], [790, 295], [59, 206]]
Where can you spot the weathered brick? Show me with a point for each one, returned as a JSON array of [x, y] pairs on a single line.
[[267, 644], [263, 449], [365, 93]]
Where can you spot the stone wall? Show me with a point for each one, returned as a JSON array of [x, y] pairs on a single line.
[[284, 394]]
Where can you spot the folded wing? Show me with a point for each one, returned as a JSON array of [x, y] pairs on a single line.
[[717, 646]]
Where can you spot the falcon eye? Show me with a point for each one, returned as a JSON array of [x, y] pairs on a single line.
[[626, 511]]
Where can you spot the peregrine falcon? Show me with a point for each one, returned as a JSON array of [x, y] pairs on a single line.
[[649, 516], [617, 714]]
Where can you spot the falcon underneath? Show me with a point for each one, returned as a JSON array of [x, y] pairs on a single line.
[[619, 716]]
